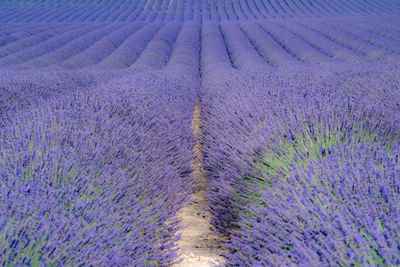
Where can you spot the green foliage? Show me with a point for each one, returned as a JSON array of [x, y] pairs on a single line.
[[310, 143]]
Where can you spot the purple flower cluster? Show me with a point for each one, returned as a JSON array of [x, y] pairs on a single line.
[[303, 166], [96, 176], [19, 90]]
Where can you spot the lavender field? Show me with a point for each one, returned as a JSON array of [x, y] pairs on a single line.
[[200, 133]]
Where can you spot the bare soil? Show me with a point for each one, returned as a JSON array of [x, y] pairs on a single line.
[[199, 245]]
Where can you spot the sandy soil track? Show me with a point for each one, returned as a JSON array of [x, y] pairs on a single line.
[[199, 245]]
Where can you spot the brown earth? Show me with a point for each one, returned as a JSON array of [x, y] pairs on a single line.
[[199, 245]]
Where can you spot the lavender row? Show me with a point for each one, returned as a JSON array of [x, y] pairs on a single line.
[[158, 51], [243, 54], [294, 45], [11, 32], [24, 42], [250, 45], [128, 52], [159, 10], [27, 53], [21, 90], [185, 55], [102, 48], [373, 38], [272, 51], [71, 49], [214, 56], [323, 44], [303, 165], [352, 42], [96, 176]]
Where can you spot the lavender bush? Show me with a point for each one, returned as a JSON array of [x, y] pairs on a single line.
[[95, 177], [305, 171], [19, 90]]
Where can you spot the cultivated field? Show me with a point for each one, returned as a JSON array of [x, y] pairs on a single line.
[[200, 133]]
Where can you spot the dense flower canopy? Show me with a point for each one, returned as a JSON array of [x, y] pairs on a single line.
[[299, 104]]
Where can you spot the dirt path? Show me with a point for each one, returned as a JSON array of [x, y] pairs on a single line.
[[199, 246]]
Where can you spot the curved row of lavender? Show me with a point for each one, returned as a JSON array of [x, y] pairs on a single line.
[[28, 11], [303, 165], [257, 45], [299, 100], [96, 175], [94, 164], [301, 141]]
